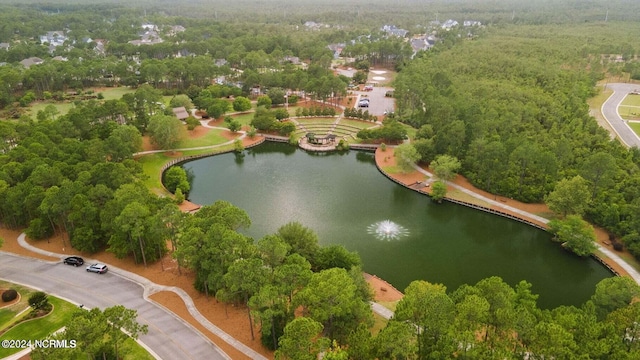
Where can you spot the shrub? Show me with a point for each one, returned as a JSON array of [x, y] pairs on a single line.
[[252, 132], [237, 146], [9, 295], [192, 122], [383, 147], [179, 196]]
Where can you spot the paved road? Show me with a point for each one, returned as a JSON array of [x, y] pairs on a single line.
[[610, 112], [169, 337]]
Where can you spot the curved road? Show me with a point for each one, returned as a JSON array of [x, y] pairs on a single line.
[[610, 112], [169, 336]]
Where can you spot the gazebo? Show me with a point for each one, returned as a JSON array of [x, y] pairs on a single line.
[[324, 140]]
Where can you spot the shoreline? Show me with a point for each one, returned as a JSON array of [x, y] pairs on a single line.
[[386, 159]]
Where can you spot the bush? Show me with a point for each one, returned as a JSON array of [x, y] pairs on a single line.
[[192, 122], [9, 295]]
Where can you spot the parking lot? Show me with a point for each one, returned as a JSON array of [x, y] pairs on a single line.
[[378, 102]]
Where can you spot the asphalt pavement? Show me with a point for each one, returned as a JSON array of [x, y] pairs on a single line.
[[610, 112], [169, 337]]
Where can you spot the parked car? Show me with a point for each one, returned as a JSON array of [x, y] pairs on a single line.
[[97, 268], [363, 104], [74, 260], [368, 88]]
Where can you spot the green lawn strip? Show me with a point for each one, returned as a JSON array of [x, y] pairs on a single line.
[[213, 137], [356, 123], [462, 196], [629, 112], [411, 131], [632, 100], [244, 119], [316, 121], [134, 351], [635, 126], [40, 328], [391, 169]]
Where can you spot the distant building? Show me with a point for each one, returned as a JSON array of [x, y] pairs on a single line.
[[60, 58], [394, 31], [149, 36], [469, 23], [422, 43], [174, 30], [336, 49], [53, 38], [27, 63], [449, 24], [4, 46]]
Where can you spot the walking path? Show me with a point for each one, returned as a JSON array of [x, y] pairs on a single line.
[[151, 288]]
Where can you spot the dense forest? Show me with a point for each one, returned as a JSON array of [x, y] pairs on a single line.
[[511, 106], [507, 99]]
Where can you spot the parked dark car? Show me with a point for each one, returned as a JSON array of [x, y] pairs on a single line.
[[98, 268], [74, 260]]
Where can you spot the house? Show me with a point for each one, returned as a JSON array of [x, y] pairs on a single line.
[[422, 43], [312, 25], [336, 49], [100, 47], [469, 23], [174, 30], [449, 24], [27, 63], [181, 113], [394, 31], [53, 38], [4, 46]]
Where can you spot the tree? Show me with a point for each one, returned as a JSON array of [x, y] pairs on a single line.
[[264, 101], [176, 178], [241, 103], [438, 191], [166, 131], [39, 301], [575, 234], [301, 340], [234, 126], [445, 167], [123, 142], [302, 240], [331, 298], [406, 156], [121, 319], [570, 196], [181, 101], [395, 341], [245, 277], [614, 293], [428, 307]]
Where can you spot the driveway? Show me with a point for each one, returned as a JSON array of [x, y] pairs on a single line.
[[169, 337], [610, 112]]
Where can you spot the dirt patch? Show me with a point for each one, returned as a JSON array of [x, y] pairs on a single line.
[[383, 291], [147, 144], [198, 132]]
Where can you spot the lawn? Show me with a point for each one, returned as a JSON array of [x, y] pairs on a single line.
[[629, 112], [42, 327], [635, 126], [631, 100], [152, 163], [7, 314], [116, 92], [356, 123], [244, 119], [316, 120], [213, 137], [63, 108]]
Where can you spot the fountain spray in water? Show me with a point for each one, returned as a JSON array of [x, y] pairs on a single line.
[[387, 230]]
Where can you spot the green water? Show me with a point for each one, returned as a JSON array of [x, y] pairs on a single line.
[[341, 195]]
